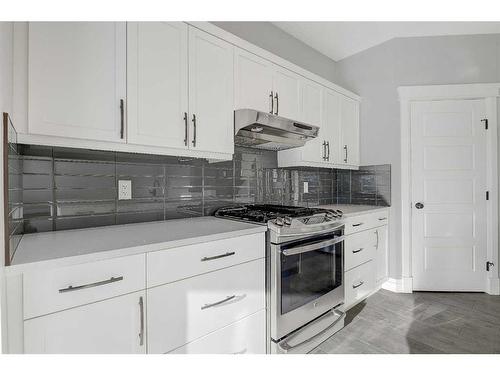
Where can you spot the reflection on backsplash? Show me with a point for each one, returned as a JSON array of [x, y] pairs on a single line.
[[64, 188]]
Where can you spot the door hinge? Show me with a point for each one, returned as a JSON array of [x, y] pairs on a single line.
[[487, 195], [489, 265], [485, 120]]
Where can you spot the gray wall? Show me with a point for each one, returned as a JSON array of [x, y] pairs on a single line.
[[275, 40], [376, 73]]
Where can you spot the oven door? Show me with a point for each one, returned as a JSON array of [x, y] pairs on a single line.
[[307, 281]]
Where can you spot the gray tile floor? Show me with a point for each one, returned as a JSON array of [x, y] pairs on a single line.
[[422, 322]]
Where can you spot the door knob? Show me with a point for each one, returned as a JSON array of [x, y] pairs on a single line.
[[419, 205]]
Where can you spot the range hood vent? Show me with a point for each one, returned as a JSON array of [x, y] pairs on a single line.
[[270, 132]]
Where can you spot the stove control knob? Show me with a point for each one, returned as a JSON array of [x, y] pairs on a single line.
[[340, 213], [279, 221], [288, 220], [330, 215]]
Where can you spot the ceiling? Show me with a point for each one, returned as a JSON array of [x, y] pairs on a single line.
[[339, 40]]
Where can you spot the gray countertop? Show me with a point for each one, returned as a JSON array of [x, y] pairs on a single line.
[[351, 210], [83, 245]]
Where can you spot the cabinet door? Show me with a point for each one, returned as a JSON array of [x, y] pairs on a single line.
[[286, 86], [77, 79], [382, 254], [311, 113], [211, 95], [253, 81], [349, 122], [112, 326], [331, 123], [157, 72]]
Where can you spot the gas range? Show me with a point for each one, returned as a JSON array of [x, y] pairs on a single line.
[[285, 222]]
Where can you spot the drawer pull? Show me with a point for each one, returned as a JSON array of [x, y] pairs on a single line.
[[357, 251], [208, 305], [204, 259], [357, 224], [382, 218], [358, 285], [91, 285]]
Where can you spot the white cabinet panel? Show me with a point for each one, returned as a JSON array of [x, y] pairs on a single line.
[[359, 248], [181, 312], [349, 122], [211, 93], [331, 123], [359, 282], [286, 87], [112, 326], [382, 254], [77, 79], [246, 336], [253, 81], [157, 72], [311, 113]]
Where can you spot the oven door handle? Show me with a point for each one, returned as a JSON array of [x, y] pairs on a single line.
[[285, 347], [312, 247]]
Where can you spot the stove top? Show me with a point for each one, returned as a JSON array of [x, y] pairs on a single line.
[[263, 213]]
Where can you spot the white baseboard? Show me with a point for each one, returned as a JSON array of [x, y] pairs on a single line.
[[493, 286], [402, 285]]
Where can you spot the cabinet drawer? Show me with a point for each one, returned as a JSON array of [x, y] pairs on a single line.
[[366, 221], [359, 248], [359, 282], [181, 312], [174, 264], [61, 288], [246, 336]]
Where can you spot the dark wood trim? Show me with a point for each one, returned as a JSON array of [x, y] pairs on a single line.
[[5, 132]]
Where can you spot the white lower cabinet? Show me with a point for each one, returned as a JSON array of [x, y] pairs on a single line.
[[359, 282], [184, 311], [116, 325], [382, 256], [246, 336]]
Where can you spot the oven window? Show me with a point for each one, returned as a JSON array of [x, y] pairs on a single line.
[[309, 275]]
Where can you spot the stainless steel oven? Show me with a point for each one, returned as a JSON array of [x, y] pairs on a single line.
[[306, 281]]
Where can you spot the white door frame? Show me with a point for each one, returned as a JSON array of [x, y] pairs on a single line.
[[408, 94]]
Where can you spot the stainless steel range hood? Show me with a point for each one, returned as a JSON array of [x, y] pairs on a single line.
[[270, 132]]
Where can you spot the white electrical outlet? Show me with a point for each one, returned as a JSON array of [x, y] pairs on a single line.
[[124, 189], [306, 187]]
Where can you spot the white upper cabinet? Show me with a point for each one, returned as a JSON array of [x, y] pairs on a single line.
[[211, 95], [77, 80], [157, 73], [331, 123], [253, 82], [286, 93], [349, 122]]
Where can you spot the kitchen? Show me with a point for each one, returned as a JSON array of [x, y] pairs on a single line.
[[178, 187]]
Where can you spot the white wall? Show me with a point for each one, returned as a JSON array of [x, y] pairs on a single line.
[[376, 73], [272, 38], [6, 67]]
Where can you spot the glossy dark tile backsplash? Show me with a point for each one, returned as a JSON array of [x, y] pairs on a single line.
[[63, 188]]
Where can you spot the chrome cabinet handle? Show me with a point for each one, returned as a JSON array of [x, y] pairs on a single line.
[[122, 118], [141, 311], [328, 146], [72, 288], [357, 251], [324, 150], [194, 130], [376, 232], [204, 259], [357, 224], [358, 285], [277, 103], [185, 129], [382, 218], [272, 102], [208, 305], [345, 149]]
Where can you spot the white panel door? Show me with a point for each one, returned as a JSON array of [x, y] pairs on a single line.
[[449, 179], [211, 93], [77, 79], [157, 73], [286, 86], [349, 122], [311, 111], [253, 81], [112, 326]]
